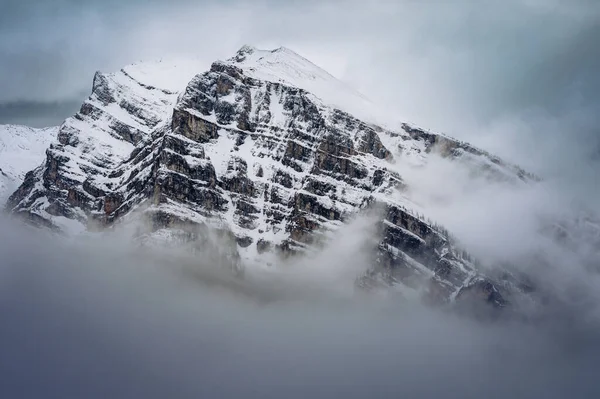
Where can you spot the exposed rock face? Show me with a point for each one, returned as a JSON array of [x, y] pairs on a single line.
[[249, 153], [76, 176]]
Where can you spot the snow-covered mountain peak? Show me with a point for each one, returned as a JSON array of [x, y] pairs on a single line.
[[265, 149], [283, 65]]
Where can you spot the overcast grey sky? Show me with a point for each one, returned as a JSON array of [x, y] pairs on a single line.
[[518, 77]]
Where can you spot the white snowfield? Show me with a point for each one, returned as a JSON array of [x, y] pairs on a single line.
[[22, 149]]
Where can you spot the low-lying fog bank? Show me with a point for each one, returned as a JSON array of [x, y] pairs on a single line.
[[95, 319]]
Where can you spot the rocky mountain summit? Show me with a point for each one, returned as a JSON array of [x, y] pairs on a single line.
[[267, 152]]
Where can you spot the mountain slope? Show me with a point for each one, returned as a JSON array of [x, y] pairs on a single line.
[[21, 149], [123, 109], [264, 149]]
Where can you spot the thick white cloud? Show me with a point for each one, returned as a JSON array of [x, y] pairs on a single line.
[[99, 319]]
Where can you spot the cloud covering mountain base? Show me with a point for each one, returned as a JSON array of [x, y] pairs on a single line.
[[95, 318]]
